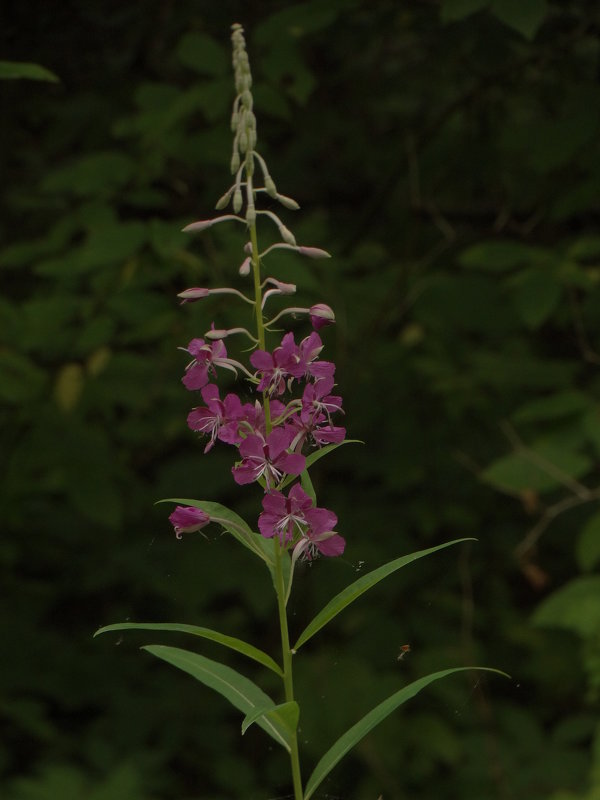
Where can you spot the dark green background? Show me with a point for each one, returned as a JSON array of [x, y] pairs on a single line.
[[446, 154]]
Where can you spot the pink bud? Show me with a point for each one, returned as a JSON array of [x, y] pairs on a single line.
[[216, 333], [203, 224], [245, 267], [283, 288], [191, 295], [321, 315], [313, 252], [248, 248]]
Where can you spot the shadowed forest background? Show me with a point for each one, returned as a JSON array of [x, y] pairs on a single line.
[[447, 155]]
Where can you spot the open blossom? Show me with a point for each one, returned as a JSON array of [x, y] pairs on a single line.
[[294, 520], [206, 356], [275, 368], [267, 458], [216, 418], [306, 364], [188, 519]]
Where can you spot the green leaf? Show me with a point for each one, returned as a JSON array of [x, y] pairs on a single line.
[[555, 406], [536, 295], [352, 736], [285, 714], [543, 468], [524, 16], [588, 544], [453, 10], [203, 54], [232, 523], [11, 70], [501, 255], [239, 690], [308, 487], [206, 633], [575, 607], [354, 591]]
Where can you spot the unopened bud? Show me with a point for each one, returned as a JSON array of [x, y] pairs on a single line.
[[237, 201], [248, 248], [216, 333], [243, 142], [249, 164], [287, 235], [288, 202], [223, 201], [235, 119], [313, 252], [190, 295], [283, 288], [321, 315], [270, 187], [247, 99], [245, 267], [250, 214], [235, 161]]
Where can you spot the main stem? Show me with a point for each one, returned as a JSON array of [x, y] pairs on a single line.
[[288, 681]]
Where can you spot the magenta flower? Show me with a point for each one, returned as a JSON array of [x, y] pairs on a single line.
[[275, 368], [316, 400], [294, 519], [306, 364], [267, 459], [187, 519], [206, 356], [215, 420], [284, 516]]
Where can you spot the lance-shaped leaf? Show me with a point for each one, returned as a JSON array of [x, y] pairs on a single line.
[[239, 690], [10, 70], [370, 720], [287, 714], [354, 591], [206, 633]]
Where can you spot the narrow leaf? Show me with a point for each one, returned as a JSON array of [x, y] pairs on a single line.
[[239, 690], [370, 720], [308, 487], [354, 591], [287, 714], [11, 70], [206, 633]]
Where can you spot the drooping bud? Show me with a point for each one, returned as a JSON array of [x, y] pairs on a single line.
[[235, 161], [224, 200], [191, 295], [237, 201], [248, 248], [216, 333], [203, 224], [313, 252], [288, 202], [321, 315], [287, 235], [270, 187], [245, 267], [186, 519]]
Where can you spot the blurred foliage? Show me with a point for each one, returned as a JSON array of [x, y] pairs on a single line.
[[447, 154]]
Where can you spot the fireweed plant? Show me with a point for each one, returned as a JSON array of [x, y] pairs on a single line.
[[293, 421]]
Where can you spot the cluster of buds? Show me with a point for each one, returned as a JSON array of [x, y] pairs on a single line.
[[292, 411]]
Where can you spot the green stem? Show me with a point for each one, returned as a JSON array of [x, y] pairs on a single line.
[[288, 682]]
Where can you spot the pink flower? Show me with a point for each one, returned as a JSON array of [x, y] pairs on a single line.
[[320, 315], [274, 369], [206, 356], [267, 458], [306, 364], [214, 419], [187, 519]]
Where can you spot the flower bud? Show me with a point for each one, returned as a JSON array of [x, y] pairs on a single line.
[[237, 201], [283, 288], [248, 248], [250, 214], [247, 99], [245, 267], [235, 161], [288, 202], [321, 315], [313, 252], [191, 295], [235, 121], [243, 142], [287, 235], [216, 333], [223, 201], [270, 186]]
